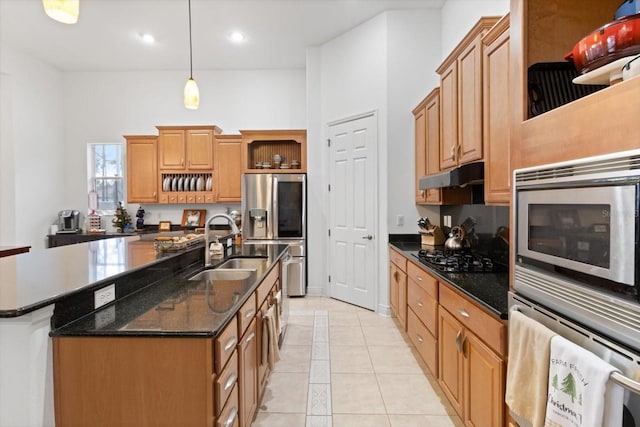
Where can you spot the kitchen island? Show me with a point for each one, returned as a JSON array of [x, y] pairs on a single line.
[[48, 289]]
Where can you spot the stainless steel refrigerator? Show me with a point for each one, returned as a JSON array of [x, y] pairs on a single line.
[[274, 210]]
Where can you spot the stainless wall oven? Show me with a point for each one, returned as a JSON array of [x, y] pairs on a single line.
[[578, 239]]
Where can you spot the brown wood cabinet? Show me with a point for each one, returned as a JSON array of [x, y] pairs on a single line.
[[422, 314], [427, 158], [142, 169], [496, 111], [248, 375], [261, 146], [461, 99], [187, 149], [472, 347], [228, 168], [601, 123], [398, 287]]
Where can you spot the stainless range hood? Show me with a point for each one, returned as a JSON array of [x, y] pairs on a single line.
[[470, 173]]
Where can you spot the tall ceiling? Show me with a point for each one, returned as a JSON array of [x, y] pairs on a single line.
[[107, 35]]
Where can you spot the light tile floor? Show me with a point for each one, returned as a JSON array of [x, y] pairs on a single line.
[[344, 366]]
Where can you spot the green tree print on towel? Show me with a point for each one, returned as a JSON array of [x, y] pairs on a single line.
[[554, 382], [569, 386]]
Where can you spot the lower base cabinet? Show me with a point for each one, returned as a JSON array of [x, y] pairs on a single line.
[[248, 371], [462, 344]]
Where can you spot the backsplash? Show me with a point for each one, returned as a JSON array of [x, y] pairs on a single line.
[[488, 218]]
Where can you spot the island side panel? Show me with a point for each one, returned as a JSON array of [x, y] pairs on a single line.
[[133, 381]]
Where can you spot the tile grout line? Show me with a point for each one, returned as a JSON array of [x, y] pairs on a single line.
[[319, 411]]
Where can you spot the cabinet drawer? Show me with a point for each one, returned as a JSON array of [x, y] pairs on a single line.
[[267, 284], [424, 279], [398, 259], [229, 417], [425, 343], [423, 306], [225, 344], [225, 382], [489, 329], [246, 314]]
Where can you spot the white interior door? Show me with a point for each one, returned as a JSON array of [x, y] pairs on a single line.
[[353, 200]]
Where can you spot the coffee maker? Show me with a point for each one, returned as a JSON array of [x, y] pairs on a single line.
[[68, 221]]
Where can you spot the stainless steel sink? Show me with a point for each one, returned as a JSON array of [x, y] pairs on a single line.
[[243, 263], [224, 274]]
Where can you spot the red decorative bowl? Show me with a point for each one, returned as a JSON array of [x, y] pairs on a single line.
[[615, 40]]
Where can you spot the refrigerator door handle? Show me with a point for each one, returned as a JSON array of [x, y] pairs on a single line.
[[273, 222]]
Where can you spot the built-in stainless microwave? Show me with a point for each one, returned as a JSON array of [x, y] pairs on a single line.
[[577, 239]]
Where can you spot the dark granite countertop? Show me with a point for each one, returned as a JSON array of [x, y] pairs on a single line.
[[488, 289], [177, 306], [41, 277]]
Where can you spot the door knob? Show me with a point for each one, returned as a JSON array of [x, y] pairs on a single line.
[[368, 237]]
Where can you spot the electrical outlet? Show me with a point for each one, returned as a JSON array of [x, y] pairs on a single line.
[[400, 220], [104, 296], [105, 317]]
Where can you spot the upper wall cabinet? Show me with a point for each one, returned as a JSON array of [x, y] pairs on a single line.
[[228, 167], [496, 109], [186, 148], [461, 99], [600, 123], [427, 149], [262, 148], [142, 169]]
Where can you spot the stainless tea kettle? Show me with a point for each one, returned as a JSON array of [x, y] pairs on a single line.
[[457, 240]]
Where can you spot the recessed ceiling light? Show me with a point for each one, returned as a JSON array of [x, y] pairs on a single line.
[[147, 38], [236, 37]]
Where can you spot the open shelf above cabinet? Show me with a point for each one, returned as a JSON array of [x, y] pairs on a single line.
[[600, 123], [263, 146]]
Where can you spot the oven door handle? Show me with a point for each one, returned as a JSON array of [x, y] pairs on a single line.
[[616, 377]]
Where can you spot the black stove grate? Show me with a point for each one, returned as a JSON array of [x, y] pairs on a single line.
[[458, 262]]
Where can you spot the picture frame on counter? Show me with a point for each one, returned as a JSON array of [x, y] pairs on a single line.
[[164, 226], [193, 217]]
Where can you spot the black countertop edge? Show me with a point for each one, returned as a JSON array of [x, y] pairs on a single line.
[[404, 238], [90, 287], [136, 304], [490, 290]]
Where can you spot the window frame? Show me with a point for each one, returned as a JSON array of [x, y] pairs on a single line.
[[92, 178]]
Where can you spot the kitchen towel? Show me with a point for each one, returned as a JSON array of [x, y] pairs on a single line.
[[528, 368], [273, 352], [580, 390]]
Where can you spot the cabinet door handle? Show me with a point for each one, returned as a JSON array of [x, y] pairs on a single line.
[[464, 353], [459, 341], [232, 417], [419, 278], [419, 338], [395, 276], [419, 303], [463, 313], [230, 382], [230, 344], [181, 162], [250, 337], [453, 152], [250, 314]]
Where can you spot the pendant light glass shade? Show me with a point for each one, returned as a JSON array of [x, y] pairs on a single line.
[[65, 11], [191, 95], [191, 92]]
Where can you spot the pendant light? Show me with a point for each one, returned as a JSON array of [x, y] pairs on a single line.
[[191, 92], [65, 11]]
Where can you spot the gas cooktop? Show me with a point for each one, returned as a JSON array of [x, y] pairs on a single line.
[[458, 261]]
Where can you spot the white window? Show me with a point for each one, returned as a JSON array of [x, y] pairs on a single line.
[[106, 175]]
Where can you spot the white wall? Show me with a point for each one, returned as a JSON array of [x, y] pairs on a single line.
[[101, 107], [32, 154], [459, 16], [413, 56]]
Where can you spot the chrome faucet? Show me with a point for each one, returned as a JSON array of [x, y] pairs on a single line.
[[234, 230]]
